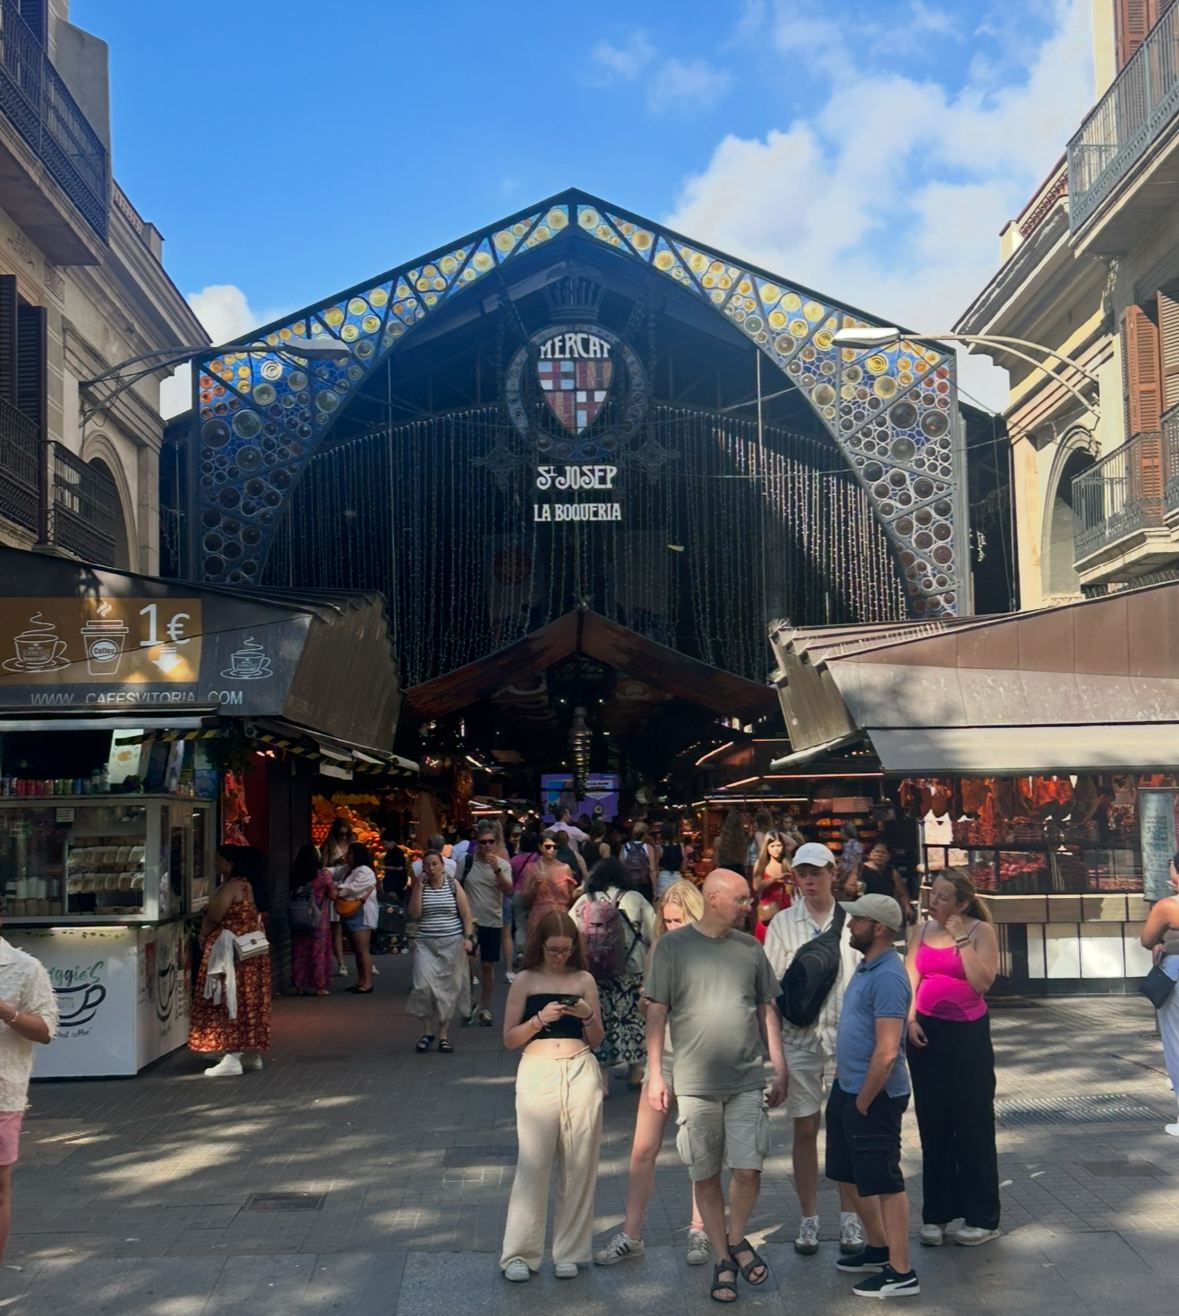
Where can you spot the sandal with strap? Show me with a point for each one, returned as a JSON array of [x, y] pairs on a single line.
[[445, 1047], [719, 1285], [425, 1042], [752, 1264]]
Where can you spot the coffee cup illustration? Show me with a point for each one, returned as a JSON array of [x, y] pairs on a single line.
[[37, 648], [78, 1005], [103, 638], [249, 663]]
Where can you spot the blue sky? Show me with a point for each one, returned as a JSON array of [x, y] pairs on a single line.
[[288, 150]]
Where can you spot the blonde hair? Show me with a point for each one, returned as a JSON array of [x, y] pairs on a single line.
[[684, 895], [964, 892]]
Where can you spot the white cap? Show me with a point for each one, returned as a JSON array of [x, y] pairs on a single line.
[[812, 853]]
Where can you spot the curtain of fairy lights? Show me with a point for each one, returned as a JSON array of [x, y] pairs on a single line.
[[722, 536]]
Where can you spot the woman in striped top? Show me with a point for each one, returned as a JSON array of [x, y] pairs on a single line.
[[445, 938]]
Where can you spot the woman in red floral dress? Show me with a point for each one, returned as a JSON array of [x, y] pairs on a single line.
[[242, 1039]]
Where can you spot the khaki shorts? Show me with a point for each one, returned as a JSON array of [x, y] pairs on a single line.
[[719, 1132], [811, 1073]]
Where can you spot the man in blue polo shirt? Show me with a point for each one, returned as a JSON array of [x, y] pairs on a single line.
[[869, 1097]]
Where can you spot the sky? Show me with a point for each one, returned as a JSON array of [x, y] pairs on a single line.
[[289, 150]]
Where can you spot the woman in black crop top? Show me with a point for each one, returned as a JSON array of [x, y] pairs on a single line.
[[553, 1013]]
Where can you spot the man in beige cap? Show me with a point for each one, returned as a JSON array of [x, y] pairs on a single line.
[[869, 1097]]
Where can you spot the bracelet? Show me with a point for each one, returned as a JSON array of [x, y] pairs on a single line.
[[539, 1025], [962, 941]]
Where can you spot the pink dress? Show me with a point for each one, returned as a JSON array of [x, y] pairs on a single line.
[[311, 951], [555, 892]]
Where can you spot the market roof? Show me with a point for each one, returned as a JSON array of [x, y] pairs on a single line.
[[79, 641], [1093, 684], [583, 631]]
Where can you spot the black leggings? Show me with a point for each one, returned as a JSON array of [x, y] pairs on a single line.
[[954, 1095]]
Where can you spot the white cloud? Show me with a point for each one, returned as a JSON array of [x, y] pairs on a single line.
[[672, 84], [679, 83], [623, 63], [225, 312], [891, 196]]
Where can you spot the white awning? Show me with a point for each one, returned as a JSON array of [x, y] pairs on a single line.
[[1016, 750]]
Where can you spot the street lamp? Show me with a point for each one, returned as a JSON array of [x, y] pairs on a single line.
[[872, 339], [295, 349]]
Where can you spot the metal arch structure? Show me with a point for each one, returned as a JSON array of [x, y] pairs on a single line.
[[259, 416]]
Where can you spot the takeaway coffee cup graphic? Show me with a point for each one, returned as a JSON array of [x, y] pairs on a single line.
[[103, 637], [78, 1005], [37, 648], [249, 663]]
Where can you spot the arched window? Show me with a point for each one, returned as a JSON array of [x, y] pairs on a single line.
[[122, 544], [1059, 575]]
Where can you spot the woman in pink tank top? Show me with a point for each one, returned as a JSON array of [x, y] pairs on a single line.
[[953, 959]]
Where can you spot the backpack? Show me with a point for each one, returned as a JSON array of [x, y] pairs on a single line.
[[303, 914], [601, 924], [811, 974], [637, 864]]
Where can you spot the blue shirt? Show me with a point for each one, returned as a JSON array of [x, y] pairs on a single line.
[[879, 989]]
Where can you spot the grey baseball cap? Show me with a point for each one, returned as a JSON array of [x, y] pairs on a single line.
[[880, 909]]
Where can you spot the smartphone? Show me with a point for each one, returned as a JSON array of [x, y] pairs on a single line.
[[570, 1001]]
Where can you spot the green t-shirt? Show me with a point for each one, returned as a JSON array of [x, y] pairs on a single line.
[[712, 987]]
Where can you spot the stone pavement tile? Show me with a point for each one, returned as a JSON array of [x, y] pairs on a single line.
[[99, 1285], [276, 1286], [1107, 1273]]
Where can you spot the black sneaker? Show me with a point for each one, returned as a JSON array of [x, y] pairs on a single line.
[[888, 1284], [868, 1261]]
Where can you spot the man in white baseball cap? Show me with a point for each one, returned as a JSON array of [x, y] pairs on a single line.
[[869, 1097], [808, 1040]]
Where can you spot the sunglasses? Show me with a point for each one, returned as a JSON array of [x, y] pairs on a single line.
[[487, 840]]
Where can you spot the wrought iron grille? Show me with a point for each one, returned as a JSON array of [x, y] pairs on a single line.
[[39, 105], [19, 477], [1128, 118], [83, 507], [1122, 493]]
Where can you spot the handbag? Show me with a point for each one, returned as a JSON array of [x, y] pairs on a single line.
[[304, 913], [250, 945], [1157, 987], [345, 907]]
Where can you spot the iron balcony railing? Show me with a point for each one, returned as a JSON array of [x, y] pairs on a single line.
[[1128, 118], [83, 505], [1120, 494], [20, 477], [38, 104]]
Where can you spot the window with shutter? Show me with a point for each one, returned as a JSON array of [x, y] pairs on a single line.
[[1134, 19], [31, 374], [1169, 349], [8, 337], [1140, 372]]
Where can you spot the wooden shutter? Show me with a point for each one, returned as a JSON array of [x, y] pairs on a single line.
[[1169, 350], [36, 15], [1134, 19], [1140, 372], [8, 305], [31, 373]]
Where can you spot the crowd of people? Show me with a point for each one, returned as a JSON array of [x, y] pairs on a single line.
[[779, 985]]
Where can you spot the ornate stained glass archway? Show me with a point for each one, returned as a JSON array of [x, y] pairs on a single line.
[[260, 414]]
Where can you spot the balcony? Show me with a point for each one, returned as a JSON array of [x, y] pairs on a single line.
[[1113, 202], [1127, 509], [54, 173], [48, 490]]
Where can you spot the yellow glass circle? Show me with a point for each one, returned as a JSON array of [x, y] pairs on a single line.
[[642, 240], [698, 263], [799, 328], [885, 386], [587, 217], [770, 292], [378, 297], [370, 324], [745, 287], [813, 311], [791, 302], [503, 240], [483, 261], [876, 364], [357, 306], [823, 339], [557, 218], [717, 296], [777, 320], [664, 260], [350, 333], [448, 265], [439, 283]]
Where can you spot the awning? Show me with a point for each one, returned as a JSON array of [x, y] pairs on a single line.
[[84, 642], [1016, 751], [335, 757]]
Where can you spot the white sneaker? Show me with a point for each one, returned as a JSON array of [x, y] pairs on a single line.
[[807, 1242], [517, 1271], [509, 977], [851, 1234], [251, 1061], [974, 1235], [342, 971], [618, 1249], [699, 1248], [376, 971], [932, 1235], [228, 1065], [1172, 1129], [565, 1270]]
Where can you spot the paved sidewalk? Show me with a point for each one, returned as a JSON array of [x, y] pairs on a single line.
[[137, 1192]]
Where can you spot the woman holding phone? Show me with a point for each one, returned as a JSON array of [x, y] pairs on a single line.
[[552, 1013]]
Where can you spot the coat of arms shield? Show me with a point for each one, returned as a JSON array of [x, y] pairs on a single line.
[[575, 390]]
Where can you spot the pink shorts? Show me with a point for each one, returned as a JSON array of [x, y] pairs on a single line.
[[10, 1122]]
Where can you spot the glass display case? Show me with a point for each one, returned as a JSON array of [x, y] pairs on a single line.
[[114, 858]]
